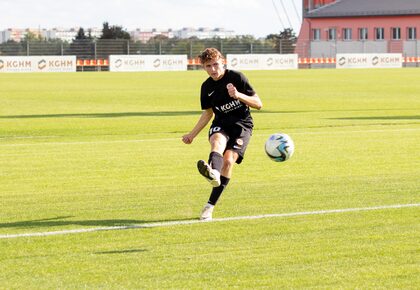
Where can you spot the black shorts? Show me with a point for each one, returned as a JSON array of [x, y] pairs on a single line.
[[237, 137]]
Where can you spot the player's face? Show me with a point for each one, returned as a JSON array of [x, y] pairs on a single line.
[[215, 68]]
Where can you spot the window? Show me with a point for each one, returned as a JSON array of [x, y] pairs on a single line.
[[412, 33], [347, 34], [396, 33], [363, 33], [379, 33], [332, 34], [316, 34]]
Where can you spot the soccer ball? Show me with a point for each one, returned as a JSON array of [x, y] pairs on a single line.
[[279, 147]]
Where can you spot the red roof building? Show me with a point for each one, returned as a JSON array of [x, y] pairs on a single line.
[[359, 26]]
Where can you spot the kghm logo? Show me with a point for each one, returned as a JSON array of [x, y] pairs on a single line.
[[342, 61], [270, 61], [118, 63], [156, 62], [42, 64], [375, 60], [1, 64], [234, 62]]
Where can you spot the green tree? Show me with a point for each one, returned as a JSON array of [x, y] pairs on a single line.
[[30, 36], [114, 32], [81, 34], [285, 41]]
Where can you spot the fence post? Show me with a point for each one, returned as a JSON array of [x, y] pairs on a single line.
[[221, 46], [94, 47], [27, 48], [62, 49], [251, 47], [128, 47], [191, 48]]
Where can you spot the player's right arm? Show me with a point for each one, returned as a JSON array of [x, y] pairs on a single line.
[[205, 118]]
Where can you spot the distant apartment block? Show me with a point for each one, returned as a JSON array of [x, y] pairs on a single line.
[[68, 34], [143, 35], [64, 34], [203, 33], [184, 33], [17, 34]]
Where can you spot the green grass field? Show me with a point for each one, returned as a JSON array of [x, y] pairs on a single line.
[[95, 150]]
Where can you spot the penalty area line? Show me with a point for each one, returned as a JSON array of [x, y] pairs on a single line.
[[196, 221]]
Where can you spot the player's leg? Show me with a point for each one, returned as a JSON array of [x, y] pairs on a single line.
[[229, 159], [211, 170], [235, 147]]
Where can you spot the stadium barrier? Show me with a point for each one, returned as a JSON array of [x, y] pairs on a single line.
[[369, 60], [316, 60], [196, 61], [28, 64], [92, 62], [55, 63], [412, 59], [262, 61], [134, 63]]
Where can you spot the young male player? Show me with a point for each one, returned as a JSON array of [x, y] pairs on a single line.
[[227, 95]]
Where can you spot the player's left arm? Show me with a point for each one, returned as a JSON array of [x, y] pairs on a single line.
[[253, 101]]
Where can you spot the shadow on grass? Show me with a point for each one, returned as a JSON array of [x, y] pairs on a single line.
[[128, 114], [415, 117], [129, 251], [104, 115], [61, 221], [190, 113]]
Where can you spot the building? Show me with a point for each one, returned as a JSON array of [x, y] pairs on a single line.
[[204, 33], [64, 34], [68, 34], [144, 35], [17, 34], [359, 26]]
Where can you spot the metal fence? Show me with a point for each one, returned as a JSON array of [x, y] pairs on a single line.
[[102, 48]]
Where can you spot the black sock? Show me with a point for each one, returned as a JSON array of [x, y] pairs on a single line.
[[216, 161], [217, 191]]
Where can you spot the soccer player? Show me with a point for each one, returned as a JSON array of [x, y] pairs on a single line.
[[227, 95]]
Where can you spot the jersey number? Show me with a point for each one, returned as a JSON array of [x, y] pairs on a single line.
[[214, 130]]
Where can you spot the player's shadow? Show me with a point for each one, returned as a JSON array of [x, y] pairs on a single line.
[[62, 221]]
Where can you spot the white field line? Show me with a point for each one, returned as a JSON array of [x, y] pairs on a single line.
[[179, 138], [196, 221]]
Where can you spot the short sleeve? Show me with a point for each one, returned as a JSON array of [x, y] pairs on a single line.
[[246, 87], [205, 100]]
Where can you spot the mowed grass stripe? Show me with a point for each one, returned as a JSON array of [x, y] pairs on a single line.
[[178, 138]]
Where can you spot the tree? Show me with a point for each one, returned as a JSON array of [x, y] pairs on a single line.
[[114, 32], [81, 34], [30, 36], [287, 34], [285, 41]]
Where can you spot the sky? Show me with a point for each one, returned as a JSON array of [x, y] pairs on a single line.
[[245, 17]]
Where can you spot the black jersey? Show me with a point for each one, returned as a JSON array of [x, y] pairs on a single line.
[[227, 110]]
